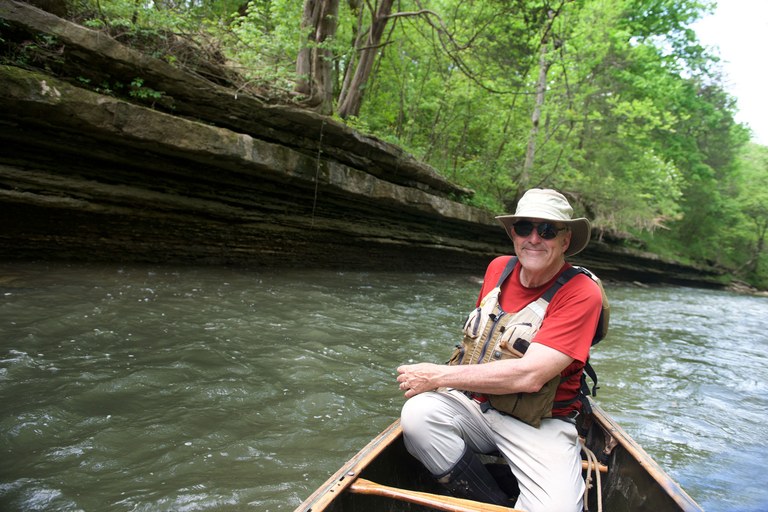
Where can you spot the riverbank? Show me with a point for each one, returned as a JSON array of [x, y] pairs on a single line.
[[161, 165]]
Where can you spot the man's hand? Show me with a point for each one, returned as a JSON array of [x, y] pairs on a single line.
[[418, 378]]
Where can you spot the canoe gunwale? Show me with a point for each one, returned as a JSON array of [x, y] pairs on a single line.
[[344, 477], [673, 489]]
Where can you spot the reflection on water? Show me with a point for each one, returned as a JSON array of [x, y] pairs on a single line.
[[136, 388]]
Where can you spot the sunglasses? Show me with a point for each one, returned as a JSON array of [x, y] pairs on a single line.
[[545, 230]]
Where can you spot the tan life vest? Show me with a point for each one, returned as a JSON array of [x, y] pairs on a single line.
[[491, 334]]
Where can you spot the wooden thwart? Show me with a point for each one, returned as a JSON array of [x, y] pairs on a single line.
[[436, 501], [601, 467]]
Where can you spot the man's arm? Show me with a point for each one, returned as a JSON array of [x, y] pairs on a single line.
[[527, 374]]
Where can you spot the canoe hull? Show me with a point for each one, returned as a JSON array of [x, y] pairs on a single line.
[[634, 482]]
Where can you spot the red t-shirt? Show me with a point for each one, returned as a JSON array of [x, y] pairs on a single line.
[[569, 323]]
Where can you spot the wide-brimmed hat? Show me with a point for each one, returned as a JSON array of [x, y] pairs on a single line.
[[548, 204]]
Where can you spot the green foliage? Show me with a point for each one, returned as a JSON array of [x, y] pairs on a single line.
[[139, 91], [42, 50], [263, 45], [749, 202]]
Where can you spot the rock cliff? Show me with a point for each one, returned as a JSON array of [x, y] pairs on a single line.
[[193, 171]]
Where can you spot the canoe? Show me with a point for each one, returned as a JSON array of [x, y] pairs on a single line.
[[384, 477]]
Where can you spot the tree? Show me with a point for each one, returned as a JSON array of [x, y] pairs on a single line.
[[753, 198], [367, 47], [549, 45], [314, 64]]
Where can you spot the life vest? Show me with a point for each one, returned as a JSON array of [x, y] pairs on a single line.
[[492, 334]]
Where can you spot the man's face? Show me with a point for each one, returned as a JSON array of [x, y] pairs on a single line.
[[539, 254]]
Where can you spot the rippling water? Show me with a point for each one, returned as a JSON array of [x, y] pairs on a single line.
[[151, 388]]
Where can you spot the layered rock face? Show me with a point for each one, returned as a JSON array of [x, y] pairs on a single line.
[[200, 173]]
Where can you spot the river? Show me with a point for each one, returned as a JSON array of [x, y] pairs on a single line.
[[135, 388]]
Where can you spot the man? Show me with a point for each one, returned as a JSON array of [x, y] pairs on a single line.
[[521, 401]]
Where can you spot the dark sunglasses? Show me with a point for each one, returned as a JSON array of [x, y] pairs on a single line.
[[545, 230]]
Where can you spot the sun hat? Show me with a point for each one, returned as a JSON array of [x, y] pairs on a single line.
[[548, 204]]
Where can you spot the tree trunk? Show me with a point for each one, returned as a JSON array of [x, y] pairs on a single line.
[[314, 64], [541, 89], [762, 228], [351, 98], [349, 68]]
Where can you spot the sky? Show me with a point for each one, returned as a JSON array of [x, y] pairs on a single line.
[[739, 28]]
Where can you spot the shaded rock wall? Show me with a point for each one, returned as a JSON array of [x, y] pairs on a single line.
[[207, 175]]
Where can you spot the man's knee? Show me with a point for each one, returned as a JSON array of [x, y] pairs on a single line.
[[415, 412]]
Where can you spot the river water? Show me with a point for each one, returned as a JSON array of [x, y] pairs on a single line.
[[131, 388]]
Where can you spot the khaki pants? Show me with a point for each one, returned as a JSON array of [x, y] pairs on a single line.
[[546, 461]]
